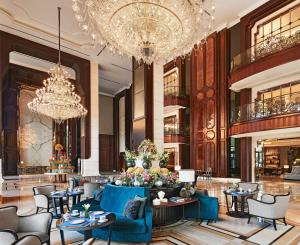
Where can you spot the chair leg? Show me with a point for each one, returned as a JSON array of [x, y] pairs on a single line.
[[37, 209], [249, 218], [48, 242], [274, 224], [284, 221], [207, 222]]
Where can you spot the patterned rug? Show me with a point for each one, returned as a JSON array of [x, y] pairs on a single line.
[[226, 231]]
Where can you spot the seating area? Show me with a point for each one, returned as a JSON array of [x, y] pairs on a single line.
[[149, 122]]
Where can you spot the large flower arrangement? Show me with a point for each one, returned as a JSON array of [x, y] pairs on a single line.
[[156, 176], [60, 162], [147, 153]]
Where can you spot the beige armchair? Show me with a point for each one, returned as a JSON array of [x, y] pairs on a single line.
[[43, 201], [28, 240], [14, 227], [270, 207], [90, 188]]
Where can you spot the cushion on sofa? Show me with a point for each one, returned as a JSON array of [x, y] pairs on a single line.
[[143, 200], [132, 208]]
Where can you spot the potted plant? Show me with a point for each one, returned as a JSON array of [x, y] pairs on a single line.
[[130, 158], [147, 152], [163, 159]]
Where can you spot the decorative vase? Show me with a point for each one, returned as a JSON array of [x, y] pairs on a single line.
[[184, 193], [86, 213], [131, 164], [158, 183], [163, 164], [118, 182], [147, 164]]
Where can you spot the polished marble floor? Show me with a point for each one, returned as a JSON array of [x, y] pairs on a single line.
[[226, 231]]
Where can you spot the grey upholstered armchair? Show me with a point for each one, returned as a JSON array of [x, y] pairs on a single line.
[[28, 240], [42, 197], [270, 207], [14, 227]]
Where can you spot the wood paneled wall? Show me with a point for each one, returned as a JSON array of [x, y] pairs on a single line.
[[106, 153], [246, 158], [10, 43], [209, 105], [142, 128]]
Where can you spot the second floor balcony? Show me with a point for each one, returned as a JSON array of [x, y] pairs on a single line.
[[260, 109], [175, 133], [174, 95]]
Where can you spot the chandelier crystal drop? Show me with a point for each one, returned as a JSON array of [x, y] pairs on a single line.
[[57, 98], [149, 30]]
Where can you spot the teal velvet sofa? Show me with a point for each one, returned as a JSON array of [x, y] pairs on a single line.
[[114, 199], [207, 208]]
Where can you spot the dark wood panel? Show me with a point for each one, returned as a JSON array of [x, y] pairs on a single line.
[[106, 152], [279, 122], [223, 102], [203, 104], [246, 158]]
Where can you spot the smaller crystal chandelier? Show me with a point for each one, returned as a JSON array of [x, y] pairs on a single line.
[[57, 98]]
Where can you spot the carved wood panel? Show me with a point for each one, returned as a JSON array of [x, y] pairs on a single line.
[[204, 107]]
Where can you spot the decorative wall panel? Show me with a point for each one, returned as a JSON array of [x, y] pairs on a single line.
[[209, 102], [35, 133], [203, 107]]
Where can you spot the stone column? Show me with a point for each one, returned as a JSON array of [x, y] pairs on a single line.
[[158, 106], [90, 167]]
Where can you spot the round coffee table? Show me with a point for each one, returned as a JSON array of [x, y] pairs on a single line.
[[87, 229], [59, 197], [243, 198]]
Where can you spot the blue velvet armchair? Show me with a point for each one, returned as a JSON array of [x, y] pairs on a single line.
[[206, 209]]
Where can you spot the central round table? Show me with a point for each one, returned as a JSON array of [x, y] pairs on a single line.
[[243, 196], [59, 196], [86, 229]]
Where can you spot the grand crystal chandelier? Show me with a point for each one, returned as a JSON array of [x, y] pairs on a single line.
[[149, 30], [57, 98]]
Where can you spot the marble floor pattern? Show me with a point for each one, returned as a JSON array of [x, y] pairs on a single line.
[[226, 231]]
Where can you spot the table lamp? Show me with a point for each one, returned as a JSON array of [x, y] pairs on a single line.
[[186, 176]]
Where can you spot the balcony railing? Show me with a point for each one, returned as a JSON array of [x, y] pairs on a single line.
[[272, 44], [175, 129], [281, 105], [174, 91]]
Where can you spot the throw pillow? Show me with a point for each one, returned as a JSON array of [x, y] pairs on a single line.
[[143, 201], [131, 209]]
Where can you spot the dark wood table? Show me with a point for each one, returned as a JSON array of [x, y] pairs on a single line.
[[86, 229], [166, 212], [59, 196], [235, 195]]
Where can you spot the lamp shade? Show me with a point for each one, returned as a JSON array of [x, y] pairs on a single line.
[[187, 175]]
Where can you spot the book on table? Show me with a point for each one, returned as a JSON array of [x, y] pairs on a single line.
[[177, 199]]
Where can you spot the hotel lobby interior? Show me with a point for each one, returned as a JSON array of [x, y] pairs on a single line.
[[150, 122]]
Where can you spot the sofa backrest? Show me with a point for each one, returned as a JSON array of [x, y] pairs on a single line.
[[248, 185], [45, 190], [296, 170], [9, 218], [114, 197]]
